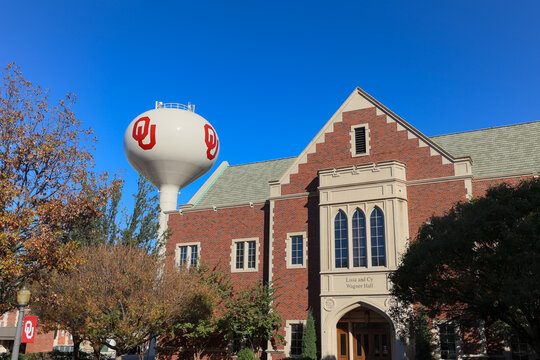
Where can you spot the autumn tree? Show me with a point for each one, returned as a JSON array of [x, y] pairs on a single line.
[[252, 316], [480, 261], [45, 182], [117, 293]]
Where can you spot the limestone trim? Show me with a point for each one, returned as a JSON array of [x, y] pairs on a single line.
[[439, 180], [353, 140], [245, 267], [342, 306], [271, 242], [288, 250]]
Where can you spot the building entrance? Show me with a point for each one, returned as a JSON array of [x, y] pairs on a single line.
[[363, 335]]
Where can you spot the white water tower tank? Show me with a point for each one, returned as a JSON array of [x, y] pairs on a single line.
[[171, 146]]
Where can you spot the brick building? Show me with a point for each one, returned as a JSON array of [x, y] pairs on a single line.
[[44, 341], [329, 225]]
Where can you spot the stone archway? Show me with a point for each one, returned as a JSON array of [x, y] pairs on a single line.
[[359, 331]]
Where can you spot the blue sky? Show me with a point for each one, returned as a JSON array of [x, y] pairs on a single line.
[[268, 75]]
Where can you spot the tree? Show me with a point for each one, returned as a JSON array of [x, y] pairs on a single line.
[[117, 293], [201, 324], [480, 261], [252, 316], [138, 228], [45, 183], [309, 339]]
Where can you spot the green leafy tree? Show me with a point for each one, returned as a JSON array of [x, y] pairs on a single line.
[[46, 183], [480, 261], [139, 228], [201, 324], [252, 316], [309, 339]]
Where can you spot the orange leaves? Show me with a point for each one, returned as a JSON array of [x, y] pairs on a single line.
[[45, 182]]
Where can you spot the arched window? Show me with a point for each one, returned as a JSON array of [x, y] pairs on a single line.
[[359, 247], [378, 250], [341, 240]]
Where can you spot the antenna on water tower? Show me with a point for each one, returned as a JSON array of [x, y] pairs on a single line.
[[171, 146]]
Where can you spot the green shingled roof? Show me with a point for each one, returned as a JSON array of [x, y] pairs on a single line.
[[502, 150], [240, 184]]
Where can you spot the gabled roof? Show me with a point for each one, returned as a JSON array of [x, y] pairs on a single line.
[[504, 150], [241, 184]]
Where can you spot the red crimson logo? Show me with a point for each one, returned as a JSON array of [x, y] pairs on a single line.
[[29, 329], [140, 132], [211, 140]]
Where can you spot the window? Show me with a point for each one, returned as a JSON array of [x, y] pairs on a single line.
[[367, 244], [341, 240], [359, 140], [519, 348], [447, 339], [359, 239], [245, 255], [378, 250], [296, 250], [187, 254], [294, 330], [296, 339]]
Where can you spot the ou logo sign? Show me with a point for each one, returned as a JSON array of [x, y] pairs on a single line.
[[29, 329]]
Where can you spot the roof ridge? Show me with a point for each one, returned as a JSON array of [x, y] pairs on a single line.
[[488, 128], [263, 161]]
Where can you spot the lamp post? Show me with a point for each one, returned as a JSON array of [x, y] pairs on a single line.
[[23, 295]]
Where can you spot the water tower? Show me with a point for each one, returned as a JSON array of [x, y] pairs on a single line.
[[171, 146]]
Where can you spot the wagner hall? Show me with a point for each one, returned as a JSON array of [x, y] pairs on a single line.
[[329, 225]]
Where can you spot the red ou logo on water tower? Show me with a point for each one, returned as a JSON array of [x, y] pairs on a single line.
[[211, 140], [141, 129]]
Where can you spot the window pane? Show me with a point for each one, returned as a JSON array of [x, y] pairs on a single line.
[[376, 345], [359, 239], [296, 339], [252, 247], [297, 250], [341, 239], [182, 258], [343, 344], [378, 251], [194, 255], [447, 336], [239, 255]]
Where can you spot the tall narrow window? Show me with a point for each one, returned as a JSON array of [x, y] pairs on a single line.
[[194, 255], [378, 246], [297, 250], [447, 337], [296, 339], [341, 240], [359, 239], [252, 251], [182, 258], [240, 255]]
